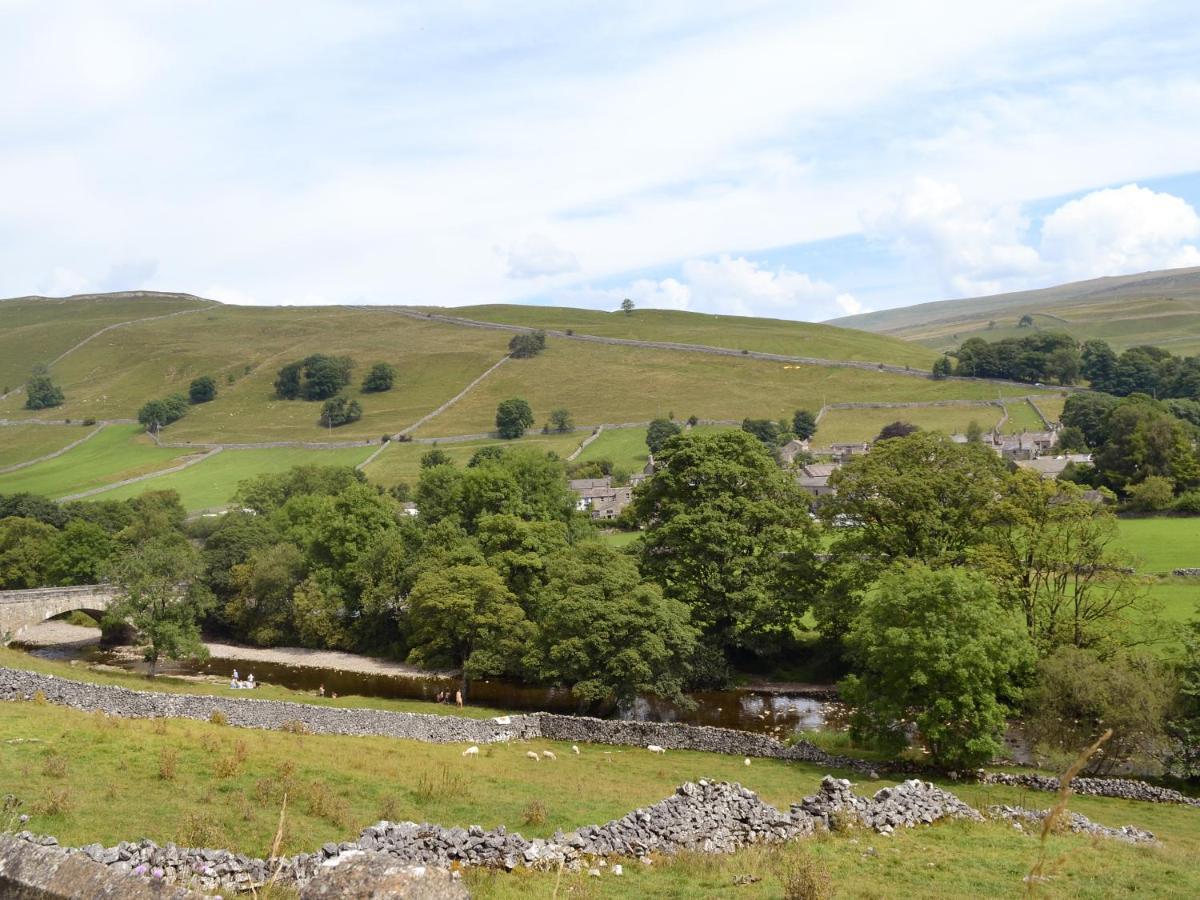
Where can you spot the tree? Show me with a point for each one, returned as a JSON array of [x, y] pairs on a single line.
[[26, 546], [316, 377], [659, 432], [729, 535], [79, 554], [804, 424], [202, 390], [942, 367], [288, 381], [896, 429], [162, 597], [1088, 411], [974, 432], [158, 414], [40, 391], [1071, 440], [340, 410], [381, 378], [464, 616], [1026, 321], [1143, 439], [1098, 364], [1154, 494], [1184, 724], [261, 609], [763, 429], [936, 647], [513, 418], [435, 457], [560, 421], [627, 306], [527, 344], [1080, 693], [606, 633]]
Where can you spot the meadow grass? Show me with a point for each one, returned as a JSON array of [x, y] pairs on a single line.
[[87, 777], [1051, 406], [1161, 544], [117, 452], [845, 425], [600, 384], [16, 659], [21, 443], [780, 336], [401, 462], [1022, 417], [619, 539], [36, 331], [213, 482], [625, 448]]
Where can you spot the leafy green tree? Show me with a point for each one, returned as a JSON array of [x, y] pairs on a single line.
[[269, 492], [1143, 439], [158, 414], [1184, 723], [1026, 321], [32, 506], [320, 614], [896, 429], [1154, 494], [627, 306], [935, 646], [1071, 440], [324, 376], [80, 554], [1098, 364], [162, 596], [464, 616], [261, 609], [41, 392], [607, 634], [288, 381], [804, 424], [340, 410], [942, 367], [236, 538], [513, 418], [659, 432], [763, 429], [26, 546], [1080, 693], [202, 390], [527, 344], [435, 457], [729, 535], [560, 421], [974, 432], [381, 378], [1088, 411], [484, 454]]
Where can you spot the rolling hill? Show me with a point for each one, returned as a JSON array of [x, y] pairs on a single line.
[[1161, 308], [112, 353]]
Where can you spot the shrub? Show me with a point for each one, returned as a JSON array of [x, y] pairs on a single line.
[[56, 802], [803, 877], [381, 378], [88, 422], [199, 829], [39, 698], [294, 726], [446, 783], [202, 389], [340, 410], [534, 814], [168, 764], [1188, 503], [1154, 494], [217, 717], [323, 803], [158, 414], [523, 346], [41, 392]]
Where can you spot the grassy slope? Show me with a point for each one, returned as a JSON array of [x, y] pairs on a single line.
[[736, 332], [1160, 308], [1162, 544], [212, 483], [626, 384], [336, 785], [116, 453], [36, 330], [20, 443], [844, 425], [402, 461]]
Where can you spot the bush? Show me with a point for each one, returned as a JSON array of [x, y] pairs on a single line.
[[340, 411], [216, 717], [41, 392], [202, 390], [523, 346], [168, 763], [381, 378], [1188, 503], [534, 814], [1079, 694], [560, 422], [160, 413], [1153, 494], [317, 377]]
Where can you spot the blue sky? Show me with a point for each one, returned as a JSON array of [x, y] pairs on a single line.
[[768, 158]]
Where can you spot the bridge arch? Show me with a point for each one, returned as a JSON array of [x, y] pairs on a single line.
[[20, 610]]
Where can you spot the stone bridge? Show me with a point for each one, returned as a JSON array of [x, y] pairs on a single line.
[[21, 609]]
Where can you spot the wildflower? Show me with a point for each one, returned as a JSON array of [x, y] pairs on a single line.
[[23, 818], [141, 870], [156, 872]]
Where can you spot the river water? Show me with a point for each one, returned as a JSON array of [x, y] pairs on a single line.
[[770, 710]]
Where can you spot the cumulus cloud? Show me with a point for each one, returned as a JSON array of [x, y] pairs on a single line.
[[734, 285], [536, 255], [981, 249]]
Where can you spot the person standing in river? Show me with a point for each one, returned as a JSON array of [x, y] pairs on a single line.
[[458, 698]]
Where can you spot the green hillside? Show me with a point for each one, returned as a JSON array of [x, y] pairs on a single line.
[[1161, 308], [107, 375]]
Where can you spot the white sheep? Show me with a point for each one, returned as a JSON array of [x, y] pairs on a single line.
[[549, 754], [471, 751], [531, 755], [654, 748], [575, 749], [746, 761]]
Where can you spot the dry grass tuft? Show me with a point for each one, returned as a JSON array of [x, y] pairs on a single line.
[[168, 763]]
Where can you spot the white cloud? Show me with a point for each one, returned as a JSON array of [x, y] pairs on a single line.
[[536, 255], [980, 249], [847, 304], [63, 282], [1126, 229]]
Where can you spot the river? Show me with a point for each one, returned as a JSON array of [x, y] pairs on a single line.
[[769, 709]]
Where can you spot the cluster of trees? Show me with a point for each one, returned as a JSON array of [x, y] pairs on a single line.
[[317, 377], [339, 410], [1141, 447], [158, 414], [1040, 357], [527, 344], [40, 391], [1140, 370]]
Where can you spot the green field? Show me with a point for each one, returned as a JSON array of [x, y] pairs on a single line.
[[1162, 544], [212, 483], [402, 461], [780, 336], [846, 425], [1051, 406], [224, 787], [116, 453], [20, 443]]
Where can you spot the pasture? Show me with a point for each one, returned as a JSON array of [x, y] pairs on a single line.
[[21, 443]]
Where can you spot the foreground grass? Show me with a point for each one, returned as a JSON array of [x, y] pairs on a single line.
[[92, 778], [116, 453], [15, 659]]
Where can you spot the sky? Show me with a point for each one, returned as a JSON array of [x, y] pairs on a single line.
[[796, 160]]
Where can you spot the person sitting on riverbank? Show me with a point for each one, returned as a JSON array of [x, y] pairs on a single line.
[[321, 690]]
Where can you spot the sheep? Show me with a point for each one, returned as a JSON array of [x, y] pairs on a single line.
[[746, 761], [654, 748], [471, 751], [549, 754], [575, 749], [531, 755]]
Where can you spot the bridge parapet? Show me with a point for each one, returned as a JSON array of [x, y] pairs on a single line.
[[21, 609]]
